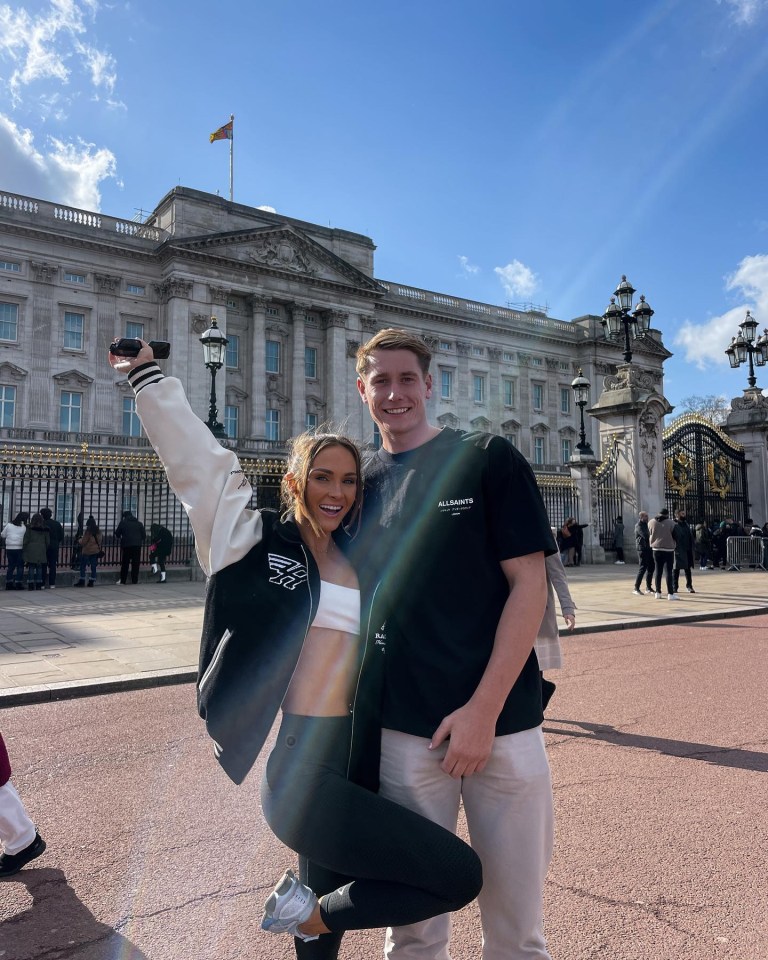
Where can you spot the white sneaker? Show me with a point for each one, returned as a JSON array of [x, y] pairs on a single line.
[[289, 904], [638, 593], [672, 596], [659, 596]]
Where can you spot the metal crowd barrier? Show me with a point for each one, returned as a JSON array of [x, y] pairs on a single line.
[[745, 552]]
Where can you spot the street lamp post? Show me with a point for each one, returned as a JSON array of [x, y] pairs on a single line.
[[214, 351], [580, 387], [617, 315], [744, 346]]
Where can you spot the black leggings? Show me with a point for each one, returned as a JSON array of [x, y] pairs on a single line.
[[375, 863]]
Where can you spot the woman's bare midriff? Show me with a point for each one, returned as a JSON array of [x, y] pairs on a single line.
[[324, 678]]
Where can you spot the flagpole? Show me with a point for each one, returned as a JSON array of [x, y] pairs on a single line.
[[231, 158]]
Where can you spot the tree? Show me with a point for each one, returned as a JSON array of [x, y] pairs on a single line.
[[713, 407]]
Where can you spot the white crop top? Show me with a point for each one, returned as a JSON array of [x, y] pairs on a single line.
[[339, 608]]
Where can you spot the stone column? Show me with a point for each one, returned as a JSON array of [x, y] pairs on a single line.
[[583, 470], [747, 424], [38, 324], [463, 384], [186, 359], [106, 328], [630, 410], [495, 399], [298, 389], [336, 365], [257, 379], [361, 425]]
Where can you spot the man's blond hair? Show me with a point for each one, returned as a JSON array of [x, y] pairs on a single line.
[[393, 339]]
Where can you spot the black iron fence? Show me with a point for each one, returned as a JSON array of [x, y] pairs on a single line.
[[75, 484]]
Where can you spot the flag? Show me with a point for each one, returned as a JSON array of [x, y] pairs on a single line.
[[224, 133]]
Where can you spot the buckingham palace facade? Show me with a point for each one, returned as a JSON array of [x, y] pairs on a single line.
[[294, 299]]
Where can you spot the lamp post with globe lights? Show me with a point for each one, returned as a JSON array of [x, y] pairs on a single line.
[[744, 347], [580, 387], [214, 351], [617, 315]]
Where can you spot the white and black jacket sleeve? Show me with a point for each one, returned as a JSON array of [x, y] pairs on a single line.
[[206, 477]]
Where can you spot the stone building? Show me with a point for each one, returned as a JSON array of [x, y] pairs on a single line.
[[295, 300]]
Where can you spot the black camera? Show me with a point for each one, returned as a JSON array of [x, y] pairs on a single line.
[[129, 347]]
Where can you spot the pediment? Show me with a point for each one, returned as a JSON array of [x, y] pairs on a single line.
[[72, 378], [285, 250], [9, 371], [483, 424], [448, 420]]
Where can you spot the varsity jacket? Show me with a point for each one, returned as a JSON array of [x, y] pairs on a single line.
[[262, 592]]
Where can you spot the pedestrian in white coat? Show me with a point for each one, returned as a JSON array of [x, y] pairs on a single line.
[[547, 645]]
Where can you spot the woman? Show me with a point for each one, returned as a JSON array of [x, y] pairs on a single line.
[[90, 548], [160, 546], [283, 630], [547, 643], [35, 551], [13, 534]]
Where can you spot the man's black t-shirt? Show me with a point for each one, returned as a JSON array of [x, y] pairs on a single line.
[[437, 521]]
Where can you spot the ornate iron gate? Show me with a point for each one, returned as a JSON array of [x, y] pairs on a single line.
[[705, 472], [607, 497]]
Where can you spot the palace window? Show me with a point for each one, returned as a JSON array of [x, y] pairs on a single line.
[[233, 353], [70, 411], [508, 392], [478, 388], [310, 421], [74, 328], [74, 277], [446, 384], [273, 356], [273, 424], [7, 406], [565, 445], [134, 329], [10, 265], [538, 451], [9, 321], [231, 418], [136, 288], [310, 363], [565, 399], [131, 422]]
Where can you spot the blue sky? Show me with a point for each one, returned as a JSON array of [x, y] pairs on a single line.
[[500, 150]]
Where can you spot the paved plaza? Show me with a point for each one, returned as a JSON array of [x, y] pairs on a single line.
[[657, 737], [66, 642]]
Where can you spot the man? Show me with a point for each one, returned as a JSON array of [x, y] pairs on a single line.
[[130, 533], [661, 534], [644, 555], [683, 551], [461, 527], [55, 536]]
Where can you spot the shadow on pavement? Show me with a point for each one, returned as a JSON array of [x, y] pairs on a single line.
[[58, 924], [720, 756]]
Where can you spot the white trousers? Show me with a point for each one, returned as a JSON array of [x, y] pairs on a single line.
[[510, 816], [16, 829]]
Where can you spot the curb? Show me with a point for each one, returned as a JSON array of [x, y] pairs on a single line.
[[46, 693], [607, 626]]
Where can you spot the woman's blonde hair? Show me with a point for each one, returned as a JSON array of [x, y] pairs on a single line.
[[302, 451]]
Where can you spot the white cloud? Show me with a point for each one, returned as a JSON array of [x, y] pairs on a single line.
[[266, 207], [468, 267], [68, 173], [45, 46], [519, 281], [745, 11], [704, 343]]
